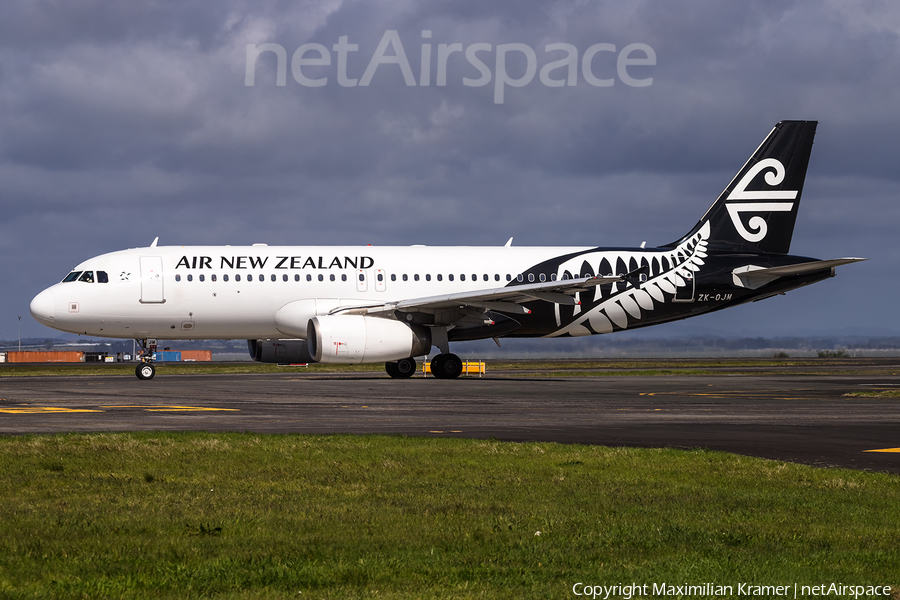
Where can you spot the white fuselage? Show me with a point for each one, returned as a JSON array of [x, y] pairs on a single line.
[[206, 292]]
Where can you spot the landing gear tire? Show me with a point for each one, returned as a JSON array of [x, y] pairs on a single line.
[[446, 366], [406, 367], [401, 369], [145, 371]]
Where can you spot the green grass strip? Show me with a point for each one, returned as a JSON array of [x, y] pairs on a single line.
[[251, 516]]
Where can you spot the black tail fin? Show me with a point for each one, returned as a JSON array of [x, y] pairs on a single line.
[[756, 212]]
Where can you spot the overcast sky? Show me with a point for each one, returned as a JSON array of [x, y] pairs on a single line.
[[123, 121]]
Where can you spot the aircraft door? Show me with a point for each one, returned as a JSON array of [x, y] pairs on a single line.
[[685, 293], [362, 280], [152, 280], [380, 280]]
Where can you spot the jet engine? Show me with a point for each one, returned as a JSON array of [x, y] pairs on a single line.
[[354, 339], [279, 351]]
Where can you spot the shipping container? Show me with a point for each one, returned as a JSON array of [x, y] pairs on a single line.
[[196, 355], [167, 356], [37, 356]]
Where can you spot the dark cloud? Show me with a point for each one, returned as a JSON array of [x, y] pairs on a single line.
[[120, 122]]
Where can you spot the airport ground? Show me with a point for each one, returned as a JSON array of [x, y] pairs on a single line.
[[827, 413]]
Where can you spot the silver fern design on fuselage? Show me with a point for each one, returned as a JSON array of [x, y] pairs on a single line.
[[626, 303]]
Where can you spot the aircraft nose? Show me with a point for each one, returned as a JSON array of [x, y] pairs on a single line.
[[43, 307]]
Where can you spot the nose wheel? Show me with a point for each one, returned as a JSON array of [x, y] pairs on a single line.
[[145, 371]]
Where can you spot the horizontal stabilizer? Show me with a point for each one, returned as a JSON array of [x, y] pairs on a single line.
[[753, 277]]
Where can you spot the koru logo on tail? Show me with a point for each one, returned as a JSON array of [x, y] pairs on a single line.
[[758, 228]]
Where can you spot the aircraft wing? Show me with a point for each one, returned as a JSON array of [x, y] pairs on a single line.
[[506, 299], [753, 277]]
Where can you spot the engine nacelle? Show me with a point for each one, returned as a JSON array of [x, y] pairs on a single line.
[[279, 351], [293, 318], [354, 339]]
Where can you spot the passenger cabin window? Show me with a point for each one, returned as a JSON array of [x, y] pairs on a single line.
[[405, 278], [73, 276], [344, 277], [190, 277], [212, 277], [202, 278], [178, 278], [296, 277], [224, 277]]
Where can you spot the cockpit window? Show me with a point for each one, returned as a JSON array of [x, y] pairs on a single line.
[[102, 277], [87, 277], [73, 276]]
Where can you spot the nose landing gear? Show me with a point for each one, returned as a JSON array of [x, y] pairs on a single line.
[[145, 369]]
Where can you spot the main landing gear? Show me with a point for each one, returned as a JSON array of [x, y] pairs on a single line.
[[401, 369], [443, 366], [145, 369], [446, 366]]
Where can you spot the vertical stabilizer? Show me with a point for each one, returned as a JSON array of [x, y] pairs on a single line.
[[756, 212]]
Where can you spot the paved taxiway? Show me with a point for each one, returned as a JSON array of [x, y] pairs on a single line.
[[797, 418]]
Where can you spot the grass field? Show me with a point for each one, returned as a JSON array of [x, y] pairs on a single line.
[[247, 516]]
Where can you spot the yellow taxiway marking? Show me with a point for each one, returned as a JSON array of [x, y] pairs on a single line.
[[38, 410], [167, 408], [885, 450]]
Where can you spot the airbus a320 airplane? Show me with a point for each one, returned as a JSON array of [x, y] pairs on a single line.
[[336, 304]]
